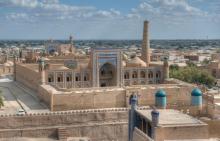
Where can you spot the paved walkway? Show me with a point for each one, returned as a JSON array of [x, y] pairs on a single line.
[[17, 96], [10, 104]]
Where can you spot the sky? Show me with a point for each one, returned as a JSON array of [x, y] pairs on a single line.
[[109, 19]]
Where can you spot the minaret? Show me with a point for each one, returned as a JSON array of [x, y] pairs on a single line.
[[166, 68], [42, 70], [72, 50], [71, 39], [14, 59], [146, 44]]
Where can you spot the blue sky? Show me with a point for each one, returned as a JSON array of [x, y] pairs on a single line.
[[109, 19]]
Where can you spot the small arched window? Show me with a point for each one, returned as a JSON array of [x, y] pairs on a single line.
[[77, 78], [143, 74], [68, 77], [50, 78], [126, 75], [86, 77], [158, 74], [59, 78], [134, 74], [150, 74]]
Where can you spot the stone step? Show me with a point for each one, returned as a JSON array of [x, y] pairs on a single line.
[[62, 134]]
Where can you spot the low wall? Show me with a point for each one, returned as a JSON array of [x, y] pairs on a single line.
[[184, 132], [214, 127], [99, 124]]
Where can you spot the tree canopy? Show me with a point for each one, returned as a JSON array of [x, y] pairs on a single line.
[[192, 74]]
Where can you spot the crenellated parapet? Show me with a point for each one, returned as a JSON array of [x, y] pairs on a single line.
[[73, 112]]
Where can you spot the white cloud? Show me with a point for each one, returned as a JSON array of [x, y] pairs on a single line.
[[49, 10], [24, 3], [53, 9], [176, 11], [19, 17]]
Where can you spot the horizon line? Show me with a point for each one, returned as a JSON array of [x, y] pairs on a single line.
[[62, 39]]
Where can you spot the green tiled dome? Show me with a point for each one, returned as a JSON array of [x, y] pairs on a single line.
[[160, 93], [196, 92]]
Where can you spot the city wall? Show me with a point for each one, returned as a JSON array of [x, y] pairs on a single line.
[[99, 124], [28, 75]]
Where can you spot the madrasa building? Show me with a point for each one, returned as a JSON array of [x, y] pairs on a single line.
[[67, 78]]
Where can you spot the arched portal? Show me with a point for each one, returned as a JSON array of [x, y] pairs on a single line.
[[107, 75]]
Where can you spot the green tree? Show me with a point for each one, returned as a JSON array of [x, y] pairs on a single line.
[[192, 74], [1, 100], [205, 61]]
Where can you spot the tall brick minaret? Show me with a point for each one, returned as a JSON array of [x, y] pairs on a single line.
[[145, 55]]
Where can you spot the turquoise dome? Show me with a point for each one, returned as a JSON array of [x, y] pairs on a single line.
[[160, 93], [196, 92]]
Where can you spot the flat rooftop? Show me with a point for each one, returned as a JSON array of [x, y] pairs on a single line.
[[168, 117]]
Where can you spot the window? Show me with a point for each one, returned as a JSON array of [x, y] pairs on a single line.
[[59, 78], [150, 74], [86, 77], [143, 74], [68, 77], [102, 72], [158, 74], [50, 78], [77, 78], [134, 75], [126, 75]]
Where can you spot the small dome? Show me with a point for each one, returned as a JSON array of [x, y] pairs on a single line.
[[62, 68], [155, 112], [10, 63], [66, 52], [7, 64], [160, 93], [136, 62], [123, 63], [196, 92], [56, 53], [124, 57], [133, 99], [46, 59]]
